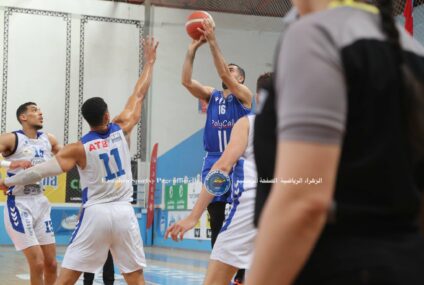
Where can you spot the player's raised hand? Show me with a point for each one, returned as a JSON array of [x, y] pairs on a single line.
[[177, 230], [195, 44], [208, 29], [150, 46]]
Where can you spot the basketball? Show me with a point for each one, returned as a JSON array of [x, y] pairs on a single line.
[[194, 21]]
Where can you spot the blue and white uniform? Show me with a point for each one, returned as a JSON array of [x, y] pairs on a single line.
[[27, 214], [234, 245], [222, 114], [107, 220]]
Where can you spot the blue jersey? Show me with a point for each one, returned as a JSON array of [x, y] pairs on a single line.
[[222, 114]]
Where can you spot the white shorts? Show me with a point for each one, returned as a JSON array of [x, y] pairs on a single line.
[[234, 245], [27, 221], [102, 227]]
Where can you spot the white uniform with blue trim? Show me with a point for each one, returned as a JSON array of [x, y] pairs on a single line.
[[27, 213], [107, 220], [234, 245]]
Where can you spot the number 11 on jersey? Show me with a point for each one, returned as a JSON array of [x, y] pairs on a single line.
[[222, 137], [106, 159]]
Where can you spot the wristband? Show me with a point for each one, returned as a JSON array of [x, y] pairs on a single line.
[[5, 164]]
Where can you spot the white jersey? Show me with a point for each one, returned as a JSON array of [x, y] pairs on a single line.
[[107, 175], [35, 150], [244, 172], [234, 245]]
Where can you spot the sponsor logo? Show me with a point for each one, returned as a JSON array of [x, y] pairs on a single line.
[[223, 124], [98, 145]]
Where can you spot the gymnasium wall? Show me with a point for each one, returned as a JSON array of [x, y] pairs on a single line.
[[58, 53], [61, 52]]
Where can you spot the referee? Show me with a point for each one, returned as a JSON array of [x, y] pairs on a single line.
[[348, 135]]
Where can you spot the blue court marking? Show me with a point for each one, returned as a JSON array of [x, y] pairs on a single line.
[[178, 260]]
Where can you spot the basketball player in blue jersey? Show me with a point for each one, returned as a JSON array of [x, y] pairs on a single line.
[[27, 212], [224, 109], [107, 221]]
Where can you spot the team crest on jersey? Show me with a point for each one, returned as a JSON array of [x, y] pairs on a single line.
[[230, 98], [28, 151]]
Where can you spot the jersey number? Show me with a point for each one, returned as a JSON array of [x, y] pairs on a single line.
[[222, 137], [221, 109], [106, 158], [49, 226]]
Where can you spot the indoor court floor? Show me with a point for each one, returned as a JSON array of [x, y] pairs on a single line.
[[164, 267]]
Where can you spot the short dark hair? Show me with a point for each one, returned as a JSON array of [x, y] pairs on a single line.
[[93, 111], [241, 70], [22, 109], [264, 81]]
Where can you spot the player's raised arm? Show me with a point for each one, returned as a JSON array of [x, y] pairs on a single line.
[[224, 70], [193, 86], [131, 114]]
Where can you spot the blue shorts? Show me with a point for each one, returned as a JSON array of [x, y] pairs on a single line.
[[208, 161]]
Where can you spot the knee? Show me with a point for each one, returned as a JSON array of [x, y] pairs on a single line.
[[50, 265], [37, 266]]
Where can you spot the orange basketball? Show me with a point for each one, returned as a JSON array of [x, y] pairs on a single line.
[[194, 21]]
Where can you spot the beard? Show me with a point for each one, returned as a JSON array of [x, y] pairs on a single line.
[[224, 86], [37, 127]]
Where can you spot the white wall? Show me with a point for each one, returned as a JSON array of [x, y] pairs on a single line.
[[37, 64], [246, 40], [37, 55]]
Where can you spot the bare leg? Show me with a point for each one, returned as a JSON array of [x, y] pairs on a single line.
[[219, 273], [35, 259], [67, 277], [50, 264], [134, 278]]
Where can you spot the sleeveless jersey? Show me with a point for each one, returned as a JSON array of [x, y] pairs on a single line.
[[222, 114], [244, 173], [35, 150], [107, 175]]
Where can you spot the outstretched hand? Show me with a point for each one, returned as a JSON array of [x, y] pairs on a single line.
[[208, 29], [150, 46], [178, 229], [195, 44]]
